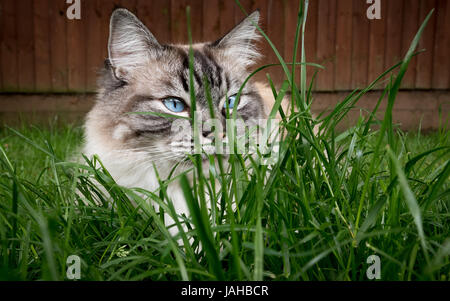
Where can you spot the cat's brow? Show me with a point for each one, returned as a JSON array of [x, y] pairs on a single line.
[[205, 66], [142, 98]]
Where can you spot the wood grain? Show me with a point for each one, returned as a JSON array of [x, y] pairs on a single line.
[[344, 31], [211, 20], [179, 30], [326, 44], [10, 73], [76, 53], [156, 16], [226, 20], [425, 60], [409, 30], [42, 51], [441, 56], [1, 44], [393, 48], [25, 45], [377, 29], [58, 46], [42, 75], [360, 47]]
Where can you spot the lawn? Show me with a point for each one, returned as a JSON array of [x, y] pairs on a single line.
[[330, 201], [307, 232]]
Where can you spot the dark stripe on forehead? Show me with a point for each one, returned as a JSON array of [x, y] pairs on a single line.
[[186, 68], [207, 67], [217, 69], [228, 81], [198, 78], [184, 81], [219, 72], [184, 57]]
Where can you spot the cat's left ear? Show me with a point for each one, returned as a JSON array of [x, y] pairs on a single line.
[[239, 45], [130, 43]]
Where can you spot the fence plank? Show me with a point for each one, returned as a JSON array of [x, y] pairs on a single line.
[[393, 52], [275, 28], [94, 58], [326, 44], [211, 20], [343, 45], [249, 6], [441, 58], [409, 30], [226, 14], [447, 25], [25, 45], [1, 43], [311, 36], [179, 30], [360, 47], [156, 16], [425, 60], [9, 46], [76, 53], [42, 75], [377, 28], [58, 46], [290, 20]]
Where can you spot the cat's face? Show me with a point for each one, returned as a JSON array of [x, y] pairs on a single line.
[[144, 76]]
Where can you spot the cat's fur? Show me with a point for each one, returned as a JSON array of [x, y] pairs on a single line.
[[140, 73]]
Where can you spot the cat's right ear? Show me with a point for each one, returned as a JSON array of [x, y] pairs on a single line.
[[130, 43]]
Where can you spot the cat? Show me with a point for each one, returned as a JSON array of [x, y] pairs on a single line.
[[142, 75]]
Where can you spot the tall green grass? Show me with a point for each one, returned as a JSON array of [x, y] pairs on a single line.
[[330, 201]]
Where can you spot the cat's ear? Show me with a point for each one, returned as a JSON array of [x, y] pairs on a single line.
[[130, 42], [240, 43]]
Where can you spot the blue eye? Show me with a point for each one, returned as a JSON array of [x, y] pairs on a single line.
[[231, 101], [174, 105]]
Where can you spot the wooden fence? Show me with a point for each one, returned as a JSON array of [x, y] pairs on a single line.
[[43, 51]]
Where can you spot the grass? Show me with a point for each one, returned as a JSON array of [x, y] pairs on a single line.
[[328, 203]]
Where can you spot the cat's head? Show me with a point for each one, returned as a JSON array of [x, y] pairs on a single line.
[[142, 75]]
